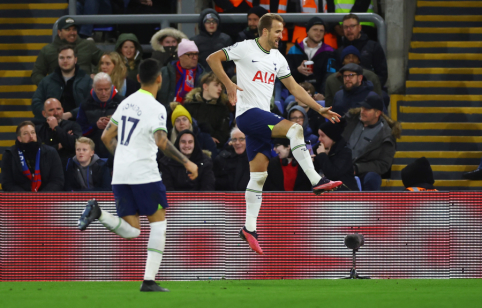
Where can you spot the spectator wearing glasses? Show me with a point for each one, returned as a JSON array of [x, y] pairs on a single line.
[[210, 38], [231, 166], [355, 89], [372, 54], [297, 114], [182, 76]]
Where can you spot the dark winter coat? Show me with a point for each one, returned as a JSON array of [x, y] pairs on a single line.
[[324, 64], [51, 171], [131, 73], [60, 135], [275, 179], [346, 100], [334, 83], [231, 170], [53, 86], [88, 56], [167, 92], [159, 52], [214, 114], [89, 113], [337, 165], [174, 175], [378, 155], [98, 174], [209, 43], [372, 56]]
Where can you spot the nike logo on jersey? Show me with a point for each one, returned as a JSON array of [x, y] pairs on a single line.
[[264, 78], [254, 61]]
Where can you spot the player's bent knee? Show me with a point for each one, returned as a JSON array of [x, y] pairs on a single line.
[[295, 131], [258, 177], [132, 233]]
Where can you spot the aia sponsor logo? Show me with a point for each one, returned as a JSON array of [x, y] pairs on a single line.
[[264, 78]]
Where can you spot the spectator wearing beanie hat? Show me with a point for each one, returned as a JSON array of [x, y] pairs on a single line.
[[210, 38], [284, 173], [251, 31], [313, 49], [333, 158], [181, 120], [181, 76], [418, 176], [334, 82]]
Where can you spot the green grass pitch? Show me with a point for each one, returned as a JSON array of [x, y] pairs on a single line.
[[393, 293]]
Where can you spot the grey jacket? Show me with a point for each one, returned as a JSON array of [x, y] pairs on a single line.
[[371, 151]]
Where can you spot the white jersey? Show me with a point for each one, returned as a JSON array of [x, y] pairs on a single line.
[[256, 70], [137, 118]]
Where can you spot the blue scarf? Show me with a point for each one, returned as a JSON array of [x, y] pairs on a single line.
[[36, 181]]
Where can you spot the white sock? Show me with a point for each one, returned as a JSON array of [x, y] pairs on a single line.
[[118, 225], [155, 249], [254, 197], [301, 153]]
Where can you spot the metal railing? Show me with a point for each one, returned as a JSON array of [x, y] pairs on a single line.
[[165, 19]]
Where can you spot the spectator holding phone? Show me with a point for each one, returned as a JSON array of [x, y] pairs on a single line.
[[284, 173]]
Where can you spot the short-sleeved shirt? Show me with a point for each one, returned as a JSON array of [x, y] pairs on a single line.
[[256, 71], [137, 118]]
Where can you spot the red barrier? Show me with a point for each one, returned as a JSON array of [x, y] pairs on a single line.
[[407, 235]]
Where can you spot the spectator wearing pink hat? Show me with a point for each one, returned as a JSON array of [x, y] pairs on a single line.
[[181, 76]]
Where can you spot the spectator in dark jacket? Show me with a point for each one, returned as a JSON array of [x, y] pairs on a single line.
[[372, 54], [251, 31], [284, 173], [86, 171], [313, 49], [231, 166], [112, 64], [56, 132], [181, 120], [418, 176], [298, 115], [30, 166], [210, 39], [371, 136], [174, 175], [334, 82], [130, 49], [95, 112], [333, 157], [164, 45], [180, 77], [68, 83], [355, 89], [208, 105]]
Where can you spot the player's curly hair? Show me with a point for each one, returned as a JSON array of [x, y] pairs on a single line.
[[266, 21]]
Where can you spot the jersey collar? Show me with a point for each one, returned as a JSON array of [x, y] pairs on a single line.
[[260, 47], [145, 92]]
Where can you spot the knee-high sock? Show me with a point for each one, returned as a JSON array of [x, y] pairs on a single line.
[[254, 197], [155, 249], [301, 153], [118, 225]]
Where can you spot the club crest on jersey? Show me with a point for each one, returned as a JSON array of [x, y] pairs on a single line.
[[264, 78]]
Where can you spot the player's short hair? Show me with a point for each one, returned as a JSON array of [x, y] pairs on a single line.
[[351, 16], [149, 69], [24, 123], [86, 140], [209, 77], [308, 87], [65, 47], [266, 21]]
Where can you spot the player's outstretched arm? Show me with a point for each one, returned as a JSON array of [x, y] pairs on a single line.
[[215, 62], [170, 151], [109, 137], [305, 98]]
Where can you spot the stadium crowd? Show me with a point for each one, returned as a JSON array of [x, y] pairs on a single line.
[[79, 87]]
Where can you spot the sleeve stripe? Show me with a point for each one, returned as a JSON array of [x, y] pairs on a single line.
[[160, 128], [226, 53], [286, 76], [114, 121]]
